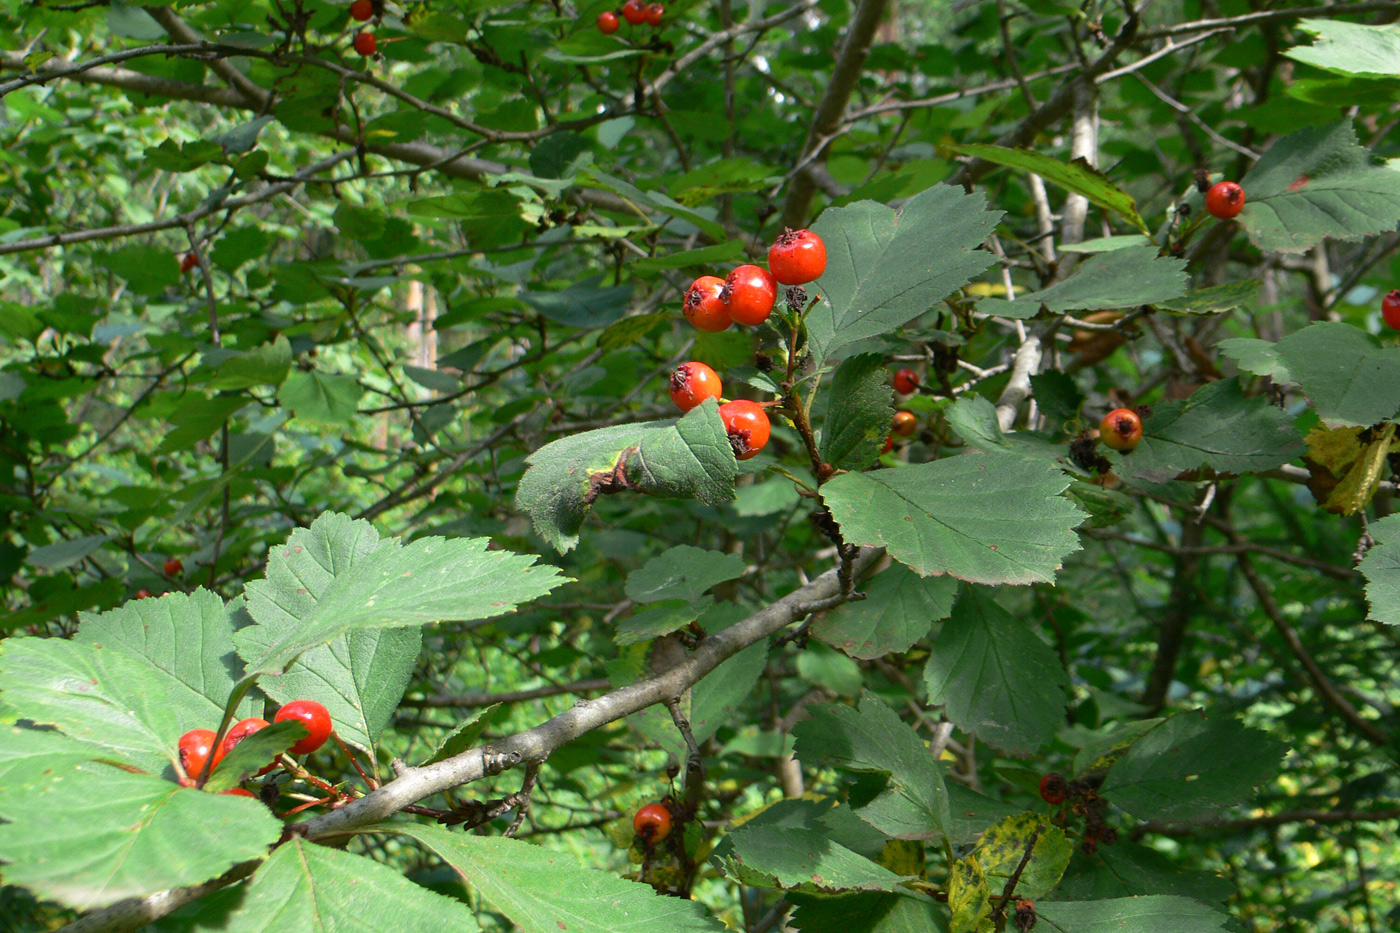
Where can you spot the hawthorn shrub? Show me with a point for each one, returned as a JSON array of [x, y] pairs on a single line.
[[336, 367]]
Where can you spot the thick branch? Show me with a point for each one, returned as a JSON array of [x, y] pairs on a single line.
[[535, 745], [827, 119], [1018, 387], [257, 97]]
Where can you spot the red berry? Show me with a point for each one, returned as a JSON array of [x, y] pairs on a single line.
[[652, 823], [797, 257], [1390, 309], [195, 747], [143, 594], [1225, 199], [365, 43], [188, 262], [314, 717], [362, 10], [239, 792], [889, 444], [747, 425], [174, 567], [904, 423], [703, 306], [906, 381], [1121, 429], [240, 731], [1053, 789], [608, 22], [749, 293], [654, 13], [692, 383], [635, 12]]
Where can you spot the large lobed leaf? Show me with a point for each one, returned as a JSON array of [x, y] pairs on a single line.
[[1177, 771], [899, 608], [995, 676], [1318, 183], [338, 577], [858, 415], [913, 801], [1121, 278], [688, 457], [542, 891], [1219, 427], [984, 518], [886, 267], [89, 834]]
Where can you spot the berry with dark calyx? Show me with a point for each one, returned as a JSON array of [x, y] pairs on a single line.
[[692, 383], [239, 792], [188, 262], [1390, 309], [906, 381], [1084, 452], [608, 22], [195, 747], [797, 257], [1054, 788], [635, 12], [1121, 429], [365, 43], [1225, 199], [652, 823], [314, 717], [703, 305], [904, 423], [1025, 917], [749, 293], [143, 594], [655, 12], [362, 10], [747, 425], [796, 297], [173, 567], [1108, 835]]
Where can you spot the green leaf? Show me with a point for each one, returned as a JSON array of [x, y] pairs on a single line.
[[544, 891], [1215, 299], [1078, 177], [103, 697], [337, 577], [1318, 183], [264, 365], [1381, 567], [65, 553], [704, 257], [799, 858], [996, 677], [359, 678], [254, 752], [1217, 427], [90, 834], [321, 399], [858, 417], [28, 760], [187, 638], [1125, 870], [1152, 914], [984, 518], [489, 216], [1350, 48], [1003, 846], [899, 608], [303, 886], [583, 304], [662, 618], [1257, 356], [703, 221], [1123, 278], [969, 898], [147, 269], [464, 736], [682, 572], [885, 267], [869, 913], [1177, 771], [197, 417], [689, 457], [913, 802], [1344, 372], [171, 156]]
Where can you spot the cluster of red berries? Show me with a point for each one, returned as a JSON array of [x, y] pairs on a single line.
[[635, 12], [1084, 801], [1225, 199], [197, 745], [363, 11], [652, 823], [745, 296]]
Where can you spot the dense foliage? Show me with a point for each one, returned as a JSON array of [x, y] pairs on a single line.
[[346, 377]]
